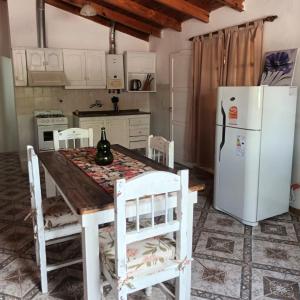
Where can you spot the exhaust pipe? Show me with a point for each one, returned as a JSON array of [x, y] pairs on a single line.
[[40, 22], [112, 39]]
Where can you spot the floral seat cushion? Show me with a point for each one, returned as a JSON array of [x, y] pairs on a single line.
[[57, 213], [144, 254]]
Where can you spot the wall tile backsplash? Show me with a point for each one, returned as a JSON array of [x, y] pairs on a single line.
[[29, 99]]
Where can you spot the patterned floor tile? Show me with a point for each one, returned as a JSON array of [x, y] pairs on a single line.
[[15, 238], [60, 252], [277, 255], [2, 226], [201, 202], [3, 258], [220, 245], [156, 294], [231, 260], [283, 217], [223, 222], [273, 285], [18, 278], [275, 230], [13, 212], [216, 278]]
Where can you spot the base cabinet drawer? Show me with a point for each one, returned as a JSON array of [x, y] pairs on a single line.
[[137, 145], [140, 138], [137, 131], [140, 121]]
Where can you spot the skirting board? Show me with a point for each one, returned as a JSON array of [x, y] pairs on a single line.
[[295, 211]]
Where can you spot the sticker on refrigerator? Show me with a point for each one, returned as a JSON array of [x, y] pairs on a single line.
[[233, 115], [240, 146]]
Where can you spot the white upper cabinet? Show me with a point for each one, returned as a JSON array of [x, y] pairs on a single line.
[[19, 65], [95, 68], [141, 62], [85, 69], [53, 60], [35, 59], [44, 59], [74, 66], [140, 71]]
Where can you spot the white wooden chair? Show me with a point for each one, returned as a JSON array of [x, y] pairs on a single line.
[[137, 258], [161, 150], [73, 136], [53, 221]]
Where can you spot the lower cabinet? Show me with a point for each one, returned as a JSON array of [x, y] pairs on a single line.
[[117, 131], [130, 131], [95, 125]]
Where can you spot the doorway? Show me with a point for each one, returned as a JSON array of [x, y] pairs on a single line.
[[181, 88]]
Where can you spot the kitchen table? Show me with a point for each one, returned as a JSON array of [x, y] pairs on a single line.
[[93, 202]]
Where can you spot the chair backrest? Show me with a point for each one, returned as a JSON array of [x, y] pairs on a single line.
[[146, 187], [35, 190], [161, 150], [71, 137]]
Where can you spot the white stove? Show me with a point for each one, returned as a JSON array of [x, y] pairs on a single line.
[[45, 122]]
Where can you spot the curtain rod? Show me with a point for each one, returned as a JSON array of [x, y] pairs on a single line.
[[266, 19]]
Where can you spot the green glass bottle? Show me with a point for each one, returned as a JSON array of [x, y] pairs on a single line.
[[104, 155]]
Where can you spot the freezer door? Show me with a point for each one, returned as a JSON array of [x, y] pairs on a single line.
[[236, 172], [242, 107]]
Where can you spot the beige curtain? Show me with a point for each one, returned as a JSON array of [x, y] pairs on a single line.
[[231, 57]]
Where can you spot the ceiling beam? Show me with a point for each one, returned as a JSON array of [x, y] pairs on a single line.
[[147, 13], [187, 8], [97, 19], [235, 4], [118, 17]]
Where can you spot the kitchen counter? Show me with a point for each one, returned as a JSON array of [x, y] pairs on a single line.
[[105, 113]]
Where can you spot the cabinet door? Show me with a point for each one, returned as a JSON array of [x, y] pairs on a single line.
[[35, 59], [53, 60], [95, 69], [117, 131], [20, 70], [74, 66], [96, 126], [141, 62]]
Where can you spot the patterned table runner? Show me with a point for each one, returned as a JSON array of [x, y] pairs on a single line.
[[122, 167]]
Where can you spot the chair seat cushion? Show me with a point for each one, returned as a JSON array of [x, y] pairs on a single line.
[[141, 255], [57, 213]]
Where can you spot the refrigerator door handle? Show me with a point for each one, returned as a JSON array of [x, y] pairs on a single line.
[[223, 130]]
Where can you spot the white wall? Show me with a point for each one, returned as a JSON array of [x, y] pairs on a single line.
[[64, 30], [283, 33]]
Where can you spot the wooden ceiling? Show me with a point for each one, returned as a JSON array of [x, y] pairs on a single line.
[[142, 18]]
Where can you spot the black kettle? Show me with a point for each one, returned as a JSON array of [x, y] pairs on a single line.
[[135, 85]]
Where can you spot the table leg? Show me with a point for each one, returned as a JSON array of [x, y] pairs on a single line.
[[185, 280], [50, 185], [90, 257]]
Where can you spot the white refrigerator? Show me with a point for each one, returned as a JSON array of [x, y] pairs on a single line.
[[253, 151]]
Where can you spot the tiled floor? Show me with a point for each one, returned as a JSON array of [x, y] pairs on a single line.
[[231, 261]]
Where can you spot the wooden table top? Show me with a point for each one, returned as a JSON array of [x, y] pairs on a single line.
[[83, 193]]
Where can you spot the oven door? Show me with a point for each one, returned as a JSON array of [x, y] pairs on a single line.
[[45, 135]]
